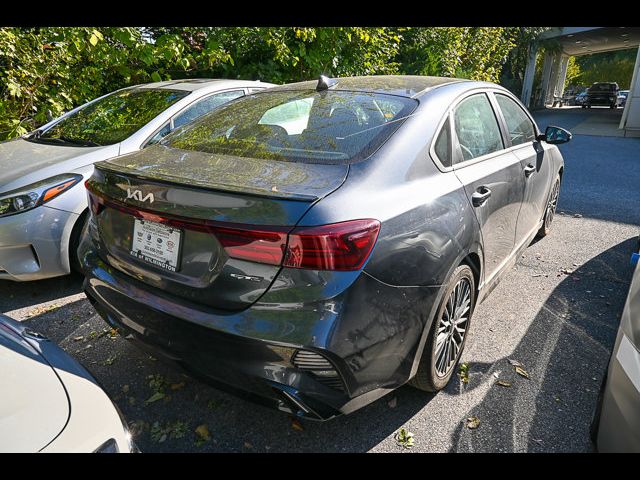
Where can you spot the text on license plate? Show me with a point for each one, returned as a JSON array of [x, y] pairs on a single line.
[[156, 244]]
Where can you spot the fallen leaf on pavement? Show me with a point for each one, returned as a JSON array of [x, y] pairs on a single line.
[[473, 423], [78, 338], [125, 389], [503, 383], [463, 372], [247, 445], [295, 423], [177, 386], [521, 371], [515, 363], [495, 374], [404, 438], [109, 361], [203, 432], [155, 397]]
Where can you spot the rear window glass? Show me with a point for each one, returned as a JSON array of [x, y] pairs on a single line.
[[603, 87], [299, 126]]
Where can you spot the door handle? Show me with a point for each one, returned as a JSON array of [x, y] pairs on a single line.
[[529, 170], [480, 196]]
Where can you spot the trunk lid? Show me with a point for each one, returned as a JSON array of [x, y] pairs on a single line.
[[197, 197]]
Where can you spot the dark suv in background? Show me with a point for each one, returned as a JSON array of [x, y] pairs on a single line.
[[602, 93]]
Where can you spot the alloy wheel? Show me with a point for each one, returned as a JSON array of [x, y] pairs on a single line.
[[453, 327], [553, 203]]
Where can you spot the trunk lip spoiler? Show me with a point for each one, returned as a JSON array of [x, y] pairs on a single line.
[[189, 222], [282, 196]]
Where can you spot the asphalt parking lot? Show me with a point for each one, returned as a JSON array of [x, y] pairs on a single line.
[[556, 312]]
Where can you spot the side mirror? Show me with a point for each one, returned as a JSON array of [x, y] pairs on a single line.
[[555, 135]]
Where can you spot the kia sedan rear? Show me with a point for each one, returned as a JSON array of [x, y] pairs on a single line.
[[320, 244]]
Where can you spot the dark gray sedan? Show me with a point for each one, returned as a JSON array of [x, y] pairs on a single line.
[[320, 244]]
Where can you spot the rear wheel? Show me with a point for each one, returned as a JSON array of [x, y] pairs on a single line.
[[79, 229], [448, 333], [550, 211]]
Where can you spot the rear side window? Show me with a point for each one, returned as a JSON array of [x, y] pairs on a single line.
[[521, 129], [204, 106], [476, 127], [443, 145], [299, 126]]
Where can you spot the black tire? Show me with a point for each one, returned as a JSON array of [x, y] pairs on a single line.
[[77, 233], [427, 377], [550, 210]]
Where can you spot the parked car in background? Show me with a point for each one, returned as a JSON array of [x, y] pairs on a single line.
[[43, 205], [320, 244], [617, 420], [622, 98], [602, 93], [50, 403], [581, 98], [569, 97]]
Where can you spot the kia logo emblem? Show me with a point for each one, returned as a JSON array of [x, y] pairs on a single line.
[[137, 195]]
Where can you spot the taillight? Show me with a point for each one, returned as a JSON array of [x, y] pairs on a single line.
[[339, 246], [253, 245]]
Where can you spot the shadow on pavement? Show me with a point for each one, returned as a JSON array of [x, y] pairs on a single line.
[[15, 295], [574, 331]]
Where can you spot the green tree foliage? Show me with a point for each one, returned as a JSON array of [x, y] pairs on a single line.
[[477, 53], [573, 72], [56, 68], [607, 67], [524, 38]]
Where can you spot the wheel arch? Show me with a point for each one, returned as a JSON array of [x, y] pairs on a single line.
[[473, 258]]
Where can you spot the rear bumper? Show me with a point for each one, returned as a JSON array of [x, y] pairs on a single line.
[[372, 347], [35, 244], [601, 101]]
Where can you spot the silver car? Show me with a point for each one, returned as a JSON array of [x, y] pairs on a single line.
[[43, 203], [618, 418], [50, 403]]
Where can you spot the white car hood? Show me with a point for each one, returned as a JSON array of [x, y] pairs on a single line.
[[34, 407], [23, 162]]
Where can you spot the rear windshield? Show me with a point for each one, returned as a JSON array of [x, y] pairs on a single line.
[[603, 87], [113, 118], [312, 127]]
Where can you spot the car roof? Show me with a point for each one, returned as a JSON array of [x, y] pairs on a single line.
[[401, 85], [193, 84]]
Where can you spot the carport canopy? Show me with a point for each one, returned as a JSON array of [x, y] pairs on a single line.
[[576, 41]]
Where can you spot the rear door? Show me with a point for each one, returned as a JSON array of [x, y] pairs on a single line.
[[535, 163], [492, 177]]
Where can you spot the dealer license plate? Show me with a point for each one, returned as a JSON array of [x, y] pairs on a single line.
[[156, 244]]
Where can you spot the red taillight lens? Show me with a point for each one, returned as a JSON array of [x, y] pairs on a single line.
[[339, 246], [253, 245]]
